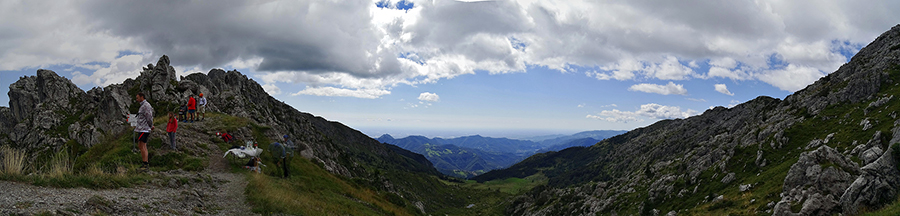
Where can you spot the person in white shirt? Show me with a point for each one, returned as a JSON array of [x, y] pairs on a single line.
[[143, 127], [201, 109]]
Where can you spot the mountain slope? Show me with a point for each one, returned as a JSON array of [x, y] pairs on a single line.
[[453, 160], [595, 134], [582, 142], [490, 144], [826, 149]]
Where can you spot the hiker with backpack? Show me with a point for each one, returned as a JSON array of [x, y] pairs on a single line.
[[282, 151]]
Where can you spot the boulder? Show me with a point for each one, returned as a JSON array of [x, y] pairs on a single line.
[[818, 177], [876, 186]]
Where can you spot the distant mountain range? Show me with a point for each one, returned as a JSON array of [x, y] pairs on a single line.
[[469, 156]]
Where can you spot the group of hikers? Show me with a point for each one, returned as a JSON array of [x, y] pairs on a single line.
[[193, 107]]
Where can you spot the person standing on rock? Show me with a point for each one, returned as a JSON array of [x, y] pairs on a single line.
[[143, 127], [171, 128], [192, 107], [201, 110]]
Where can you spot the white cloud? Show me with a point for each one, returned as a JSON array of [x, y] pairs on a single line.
[[340, 92], [623, 70], [733, 103], [580, 105], [727, 67], [792, 77], [428, 96], [736, 74], [272, 89], [670, 69], [667, 89], [696, 99], [722, 88], [724, 62], [650, 110], [664, 112], [119, 70], [616, 116]]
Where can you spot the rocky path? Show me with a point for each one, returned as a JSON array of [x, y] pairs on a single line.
[[213, 191]]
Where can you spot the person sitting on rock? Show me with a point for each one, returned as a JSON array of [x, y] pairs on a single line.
[[182, 113], [254, 164], [192, 107]]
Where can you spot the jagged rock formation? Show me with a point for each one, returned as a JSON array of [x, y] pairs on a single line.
[[797, 156], [48, 112]]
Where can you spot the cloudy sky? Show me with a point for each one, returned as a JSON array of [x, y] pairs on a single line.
[[445, 68]]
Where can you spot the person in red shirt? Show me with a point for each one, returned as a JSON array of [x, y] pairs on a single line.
[[170, 129], [192, 107]]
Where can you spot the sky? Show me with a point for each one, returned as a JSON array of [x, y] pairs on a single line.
[[452, 68]]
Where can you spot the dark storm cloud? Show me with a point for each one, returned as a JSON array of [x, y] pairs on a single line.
[[311, 36]]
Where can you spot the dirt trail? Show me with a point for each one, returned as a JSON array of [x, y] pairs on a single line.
[[213, 191]]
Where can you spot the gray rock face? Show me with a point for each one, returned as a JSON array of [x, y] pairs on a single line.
[[818, 177], [875, 187], [46, 90], [39, 105], [728, 178]]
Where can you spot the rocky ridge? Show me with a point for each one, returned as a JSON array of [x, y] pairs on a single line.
[[824, 150], [48, 113]]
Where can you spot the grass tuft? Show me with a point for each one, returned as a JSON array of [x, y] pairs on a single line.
[[13, 162], [59, 164]]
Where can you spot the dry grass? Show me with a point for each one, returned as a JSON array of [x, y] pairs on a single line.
[[60, 165], [13, 160], [94, 170]]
